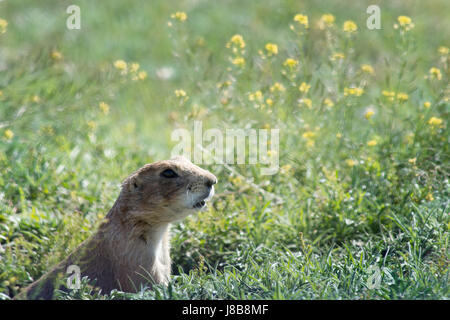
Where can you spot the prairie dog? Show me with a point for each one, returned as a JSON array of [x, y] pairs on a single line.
[[132, 245]]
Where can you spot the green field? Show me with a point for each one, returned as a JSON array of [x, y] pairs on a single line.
[[359, 208]]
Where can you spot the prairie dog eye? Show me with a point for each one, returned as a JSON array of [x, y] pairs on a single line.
[[169, 173]]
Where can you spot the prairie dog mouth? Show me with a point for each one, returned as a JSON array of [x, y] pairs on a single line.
[[202, 203]]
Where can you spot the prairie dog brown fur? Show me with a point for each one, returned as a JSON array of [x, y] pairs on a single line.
[[132, 245]]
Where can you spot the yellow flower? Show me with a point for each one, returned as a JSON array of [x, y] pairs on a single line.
[[388, 94], [367, 68], [338, 135], [310, 143], [36, 99], [256, 96], [142, 75], [269, 102], [1, 93], [134, 67], [271, 153], [327, 19], [302, 19], [121, 65], [443, 50], [353, 91], [337, 56], [180, 16], [291, 63], [435, 73], [404, 20], [435, 121], [92, 125], [286, 169], [104, 107], [304, 87], [328, 102], [180, 93], [405, 23], [350, 162], [272, 48], [239, 61], [277, 87], [56, 55], [237, 41], [3, 25], [307, 102], [369, 113], [309, 134], [412, 160], [372, 143], [427, 104], [429, 197], [9, 134], [401, 96], [349, 26]]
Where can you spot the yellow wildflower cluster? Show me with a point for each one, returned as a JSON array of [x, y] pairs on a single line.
[[309, 136], [290, 63], [3, 25], [349, 27], [92, 125], [286, 169], [277, 87], [301, 24], [180, 93], [178, 16], [435, 73], [402, 97], [427, 104], [272, 49], [390, 95], [405, 23], [236, 43], [291, 68], [304, 87], [369, 113], [8, 134], [328, 102], [337, 56], [367, 68], [372, 143], [443, 51], [104, 107], [237, 46], [255, 96], [133, 68], [307, 102], [435, 122], [302, 19], [326, 21], [353, 92], [56, 55]]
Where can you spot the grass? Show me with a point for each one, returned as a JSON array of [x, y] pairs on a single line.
[[364, 195]]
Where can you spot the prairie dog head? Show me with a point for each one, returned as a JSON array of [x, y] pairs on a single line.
[[168, 190]]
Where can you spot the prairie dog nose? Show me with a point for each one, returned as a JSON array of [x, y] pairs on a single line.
[[211, 181]]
